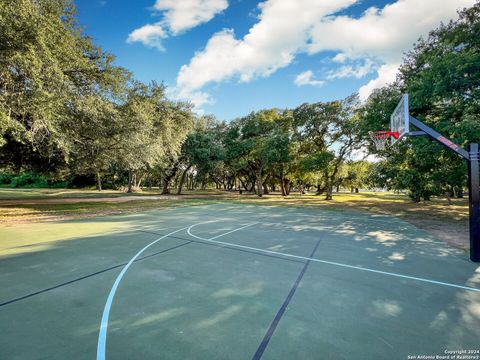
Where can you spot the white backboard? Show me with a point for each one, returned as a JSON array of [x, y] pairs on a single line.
[[399, 120]]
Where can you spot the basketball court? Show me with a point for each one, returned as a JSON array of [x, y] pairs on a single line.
[[232, 281]]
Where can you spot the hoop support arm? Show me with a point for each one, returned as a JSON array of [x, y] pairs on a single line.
[[439, 138], [417, 133]]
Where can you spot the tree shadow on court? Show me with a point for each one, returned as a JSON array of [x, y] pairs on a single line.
[[222, 300]]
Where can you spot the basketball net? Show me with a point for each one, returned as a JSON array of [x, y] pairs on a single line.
[[380, 138]]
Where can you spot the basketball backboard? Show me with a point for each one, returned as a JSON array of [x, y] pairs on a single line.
[[399, 120]]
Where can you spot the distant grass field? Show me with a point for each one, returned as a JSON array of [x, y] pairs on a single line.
[[447, 222], [378, 202], [19, 194]]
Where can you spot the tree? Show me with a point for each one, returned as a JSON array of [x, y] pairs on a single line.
[[56, 89], [441, 75], [257, 142], [355, 175], [203, 149], [328, 133]]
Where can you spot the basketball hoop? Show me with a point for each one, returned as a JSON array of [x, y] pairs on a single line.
[[380, 138]]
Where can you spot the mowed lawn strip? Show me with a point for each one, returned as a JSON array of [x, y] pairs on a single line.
[[447, 222]]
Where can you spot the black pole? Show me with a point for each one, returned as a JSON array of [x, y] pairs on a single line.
[[474, 203], [472, 156]]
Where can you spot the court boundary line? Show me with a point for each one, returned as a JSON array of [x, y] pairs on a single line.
[[14, 300], [335, 263], [188, 241], [276, 320]]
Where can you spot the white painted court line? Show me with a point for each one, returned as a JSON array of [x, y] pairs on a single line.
[[102, 336], [329, 262], [229, 232]]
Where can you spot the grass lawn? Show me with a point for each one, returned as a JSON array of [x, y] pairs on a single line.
[[44, 194], [446, 222]]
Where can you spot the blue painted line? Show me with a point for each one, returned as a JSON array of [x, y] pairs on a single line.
[[273, 326], [89, 275], [102, 336]]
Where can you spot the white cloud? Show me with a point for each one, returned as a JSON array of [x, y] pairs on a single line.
[[286, 28], [306, 78], [181, 15], [382, 34], [269, 45], [386, 74], [178, 16], [197, 98], [358, 70], [149, 35], [340, 57]]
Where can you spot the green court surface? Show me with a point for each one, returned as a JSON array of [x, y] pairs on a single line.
[[232, 281]]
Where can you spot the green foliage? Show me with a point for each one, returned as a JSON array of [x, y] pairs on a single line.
[[6, 178], [67, 112], [442, 76], [257, 144], [327, 134], [29, 180]]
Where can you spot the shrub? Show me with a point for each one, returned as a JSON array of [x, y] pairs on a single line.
[[6, 178], [29, 180]]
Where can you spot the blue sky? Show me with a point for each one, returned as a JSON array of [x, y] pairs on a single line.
[[230, 57]]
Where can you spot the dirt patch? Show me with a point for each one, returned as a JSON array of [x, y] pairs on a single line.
[[453, 233]]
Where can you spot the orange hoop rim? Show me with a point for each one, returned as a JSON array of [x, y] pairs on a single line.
[[380, 138], [384, 134]]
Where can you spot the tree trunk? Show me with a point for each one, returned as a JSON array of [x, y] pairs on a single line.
[[287, 186], [190, 182], [130, 180], [282, 182], [356, 190], [167, 178], [139, 184], [459, 193], [329, 193], [415, 196], [259, 183], [265, 189], [245, 187], [182, 180], [165, 186], [99, 181], [449, 197]]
